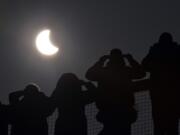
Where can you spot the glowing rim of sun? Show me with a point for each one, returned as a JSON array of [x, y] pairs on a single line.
[[44, 45]]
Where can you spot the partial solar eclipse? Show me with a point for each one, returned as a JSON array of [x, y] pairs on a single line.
[[44, 45]]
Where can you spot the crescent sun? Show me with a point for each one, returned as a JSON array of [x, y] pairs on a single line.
[[44, 45]]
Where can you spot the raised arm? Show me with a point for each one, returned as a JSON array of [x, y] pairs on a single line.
[[14, 97], [94, 73], [137, 71]]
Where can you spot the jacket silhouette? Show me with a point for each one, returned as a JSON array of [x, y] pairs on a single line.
[[4, 119], [29, 110], [163, 63], [70, 100], [115, 97]]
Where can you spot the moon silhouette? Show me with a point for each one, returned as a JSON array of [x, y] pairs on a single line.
[[44, 45]]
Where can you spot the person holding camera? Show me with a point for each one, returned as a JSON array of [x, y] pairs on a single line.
[[29, 110], [70, 100], [115, 97]]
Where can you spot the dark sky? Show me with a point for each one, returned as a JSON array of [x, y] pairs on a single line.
[[83, 30]]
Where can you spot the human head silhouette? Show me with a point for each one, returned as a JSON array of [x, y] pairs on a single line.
[[68, 80], [116, 53], [31, 90], [116, 58], [165, 38]]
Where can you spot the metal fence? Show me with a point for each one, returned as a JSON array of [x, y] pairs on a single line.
[[143, 125]]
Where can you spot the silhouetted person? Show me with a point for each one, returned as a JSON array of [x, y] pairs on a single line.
[[70, 100], [115, 98], [29, 111], [163, 62], [4, 120]]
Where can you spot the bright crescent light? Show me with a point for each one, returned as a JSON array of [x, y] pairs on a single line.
[[44, 44]]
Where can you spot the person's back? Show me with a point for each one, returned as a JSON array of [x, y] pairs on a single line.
[[35, 115], [30, 112], [70, 101], [4, 119], [163, 59], [115, 98], [163, 62], [115, 87], [115, 101], [72, 117]]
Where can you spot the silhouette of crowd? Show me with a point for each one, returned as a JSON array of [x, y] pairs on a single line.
[[118, 76]]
